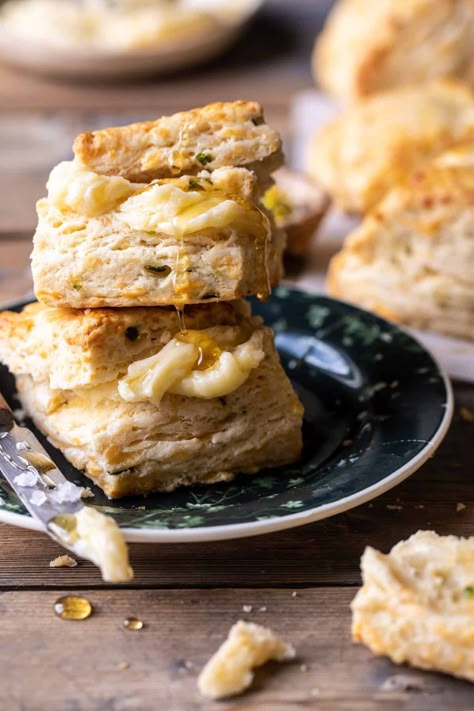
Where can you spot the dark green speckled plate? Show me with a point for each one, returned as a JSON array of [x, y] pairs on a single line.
[[377, 406]]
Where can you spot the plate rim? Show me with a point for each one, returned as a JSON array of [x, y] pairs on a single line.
[[279, 523]]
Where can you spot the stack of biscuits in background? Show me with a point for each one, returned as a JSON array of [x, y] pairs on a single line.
[[140, 361], [401, 157]]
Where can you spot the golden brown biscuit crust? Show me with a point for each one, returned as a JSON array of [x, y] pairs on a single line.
[[413, 605], [136, 448], [368, 46], [383, 139], [216, 135]]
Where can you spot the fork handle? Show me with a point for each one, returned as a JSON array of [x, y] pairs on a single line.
[[6, 415]]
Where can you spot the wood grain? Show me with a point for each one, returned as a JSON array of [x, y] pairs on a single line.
[[75, 665], [189, 595]]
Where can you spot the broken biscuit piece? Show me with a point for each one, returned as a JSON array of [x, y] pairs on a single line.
[[416, 604], [63, 561], [230, 669]]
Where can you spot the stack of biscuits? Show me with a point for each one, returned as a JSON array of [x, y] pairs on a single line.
[[141, 361]]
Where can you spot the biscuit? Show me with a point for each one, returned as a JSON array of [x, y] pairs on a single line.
[[214, 136], [368, 47], [416, 604], [360, 155], [105, 242], [75, 348], [411, 259], [130, 448]]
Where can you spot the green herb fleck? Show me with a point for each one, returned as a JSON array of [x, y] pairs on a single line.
[[161, 269], [258, 120], [77, 286], [131, 333], [204, 158], [469, 592], [195, 185]]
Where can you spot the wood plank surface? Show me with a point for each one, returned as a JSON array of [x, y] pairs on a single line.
[[56, 665], [190, 594]]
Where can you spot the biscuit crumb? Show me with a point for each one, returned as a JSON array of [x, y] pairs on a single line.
[[122, 665], [394, 507], [402, 682], [63, 561], [294, 594], [247, 608], [87, 493], [229, 671], [303, 667], [460, 507], [466, 414], [262, 609]]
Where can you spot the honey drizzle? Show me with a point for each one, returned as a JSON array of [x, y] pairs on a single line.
[[181, 318], [208, 349], [262, 241], [72, 607], [261, 231]]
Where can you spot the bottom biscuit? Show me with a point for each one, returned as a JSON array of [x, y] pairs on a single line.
[[130, 448]]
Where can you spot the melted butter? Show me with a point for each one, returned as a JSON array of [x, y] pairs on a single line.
[[192, 364], [186, 205], [72, 187], [94, 536], [208, 350]]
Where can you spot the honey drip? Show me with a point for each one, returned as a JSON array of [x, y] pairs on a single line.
[[133, 623], [72, 607], [209, 351], [181, 318], [262, 239]]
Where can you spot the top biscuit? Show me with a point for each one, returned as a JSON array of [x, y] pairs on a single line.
[[230, 134]]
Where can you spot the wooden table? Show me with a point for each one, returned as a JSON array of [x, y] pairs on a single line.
[[299, 582]]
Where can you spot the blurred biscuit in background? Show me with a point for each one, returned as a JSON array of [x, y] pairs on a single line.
[[358, 156], [368, 46], [411, 259]]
